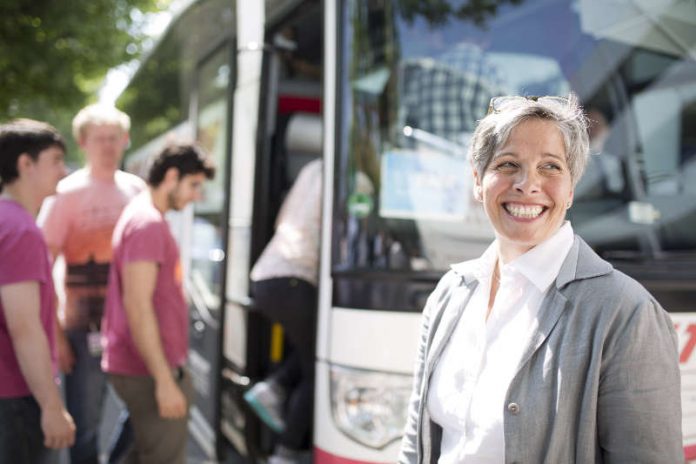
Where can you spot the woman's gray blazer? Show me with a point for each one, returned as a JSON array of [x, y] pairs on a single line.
[[598, 383]]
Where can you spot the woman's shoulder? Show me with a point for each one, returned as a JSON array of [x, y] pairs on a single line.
[[606, 306], [599, 288], [612, 295], [596, 277]]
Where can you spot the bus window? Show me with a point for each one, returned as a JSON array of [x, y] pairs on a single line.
[[663, 111], [170, 68], [207, 251], [415, 83]]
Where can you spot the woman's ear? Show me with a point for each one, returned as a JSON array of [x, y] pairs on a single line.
[[570, 199], [478, 188]]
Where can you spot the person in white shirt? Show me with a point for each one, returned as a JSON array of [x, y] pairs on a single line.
[[284, 287], [539, 351]]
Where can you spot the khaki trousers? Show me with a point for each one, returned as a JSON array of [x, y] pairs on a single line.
[[157, 440]]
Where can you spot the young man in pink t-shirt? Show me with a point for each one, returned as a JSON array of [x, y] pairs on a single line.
[[145, 323], [78, 223], [32, 416]]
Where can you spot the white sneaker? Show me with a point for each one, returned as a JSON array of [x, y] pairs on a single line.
[[267, 399], [278, 459], [283, 455]]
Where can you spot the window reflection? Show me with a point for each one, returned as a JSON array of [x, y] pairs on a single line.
[[207, 250], [413, 94]]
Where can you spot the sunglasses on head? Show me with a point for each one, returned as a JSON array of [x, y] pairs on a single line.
[[497, 104]]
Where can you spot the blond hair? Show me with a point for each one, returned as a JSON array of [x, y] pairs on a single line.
[[98, 115]]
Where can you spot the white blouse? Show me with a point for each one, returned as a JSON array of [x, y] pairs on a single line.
[[469, 384]]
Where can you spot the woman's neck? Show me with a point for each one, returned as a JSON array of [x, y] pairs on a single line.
[[508, 252]]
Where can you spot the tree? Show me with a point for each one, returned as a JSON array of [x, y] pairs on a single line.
[[54, 54]]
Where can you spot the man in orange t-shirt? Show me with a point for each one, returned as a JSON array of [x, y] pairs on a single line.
[[78, 223]]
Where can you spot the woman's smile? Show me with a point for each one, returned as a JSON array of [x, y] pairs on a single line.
[[523, 211]]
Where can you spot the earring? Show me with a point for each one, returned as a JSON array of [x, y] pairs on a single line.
[[569, 204]]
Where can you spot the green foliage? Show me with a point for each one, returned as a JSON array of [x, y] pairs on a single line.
[[54, 53], [160, 75]]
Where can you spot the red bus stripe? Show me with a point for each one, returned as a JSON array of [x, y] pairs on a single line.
[[690, 452], [324, 457]]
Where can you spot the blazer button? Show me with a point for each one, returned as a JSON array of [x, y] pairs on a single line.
[[513, 408]]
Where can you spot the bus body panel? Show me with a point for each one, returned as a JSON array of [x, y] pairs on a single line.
[[329, 121], [374, 340]]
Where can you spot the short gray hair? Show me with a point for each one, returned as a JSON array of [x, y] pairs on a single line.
[[493, 131]]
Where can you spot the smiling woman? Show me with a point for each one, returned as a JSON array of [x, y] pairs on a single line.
[[550, 331]]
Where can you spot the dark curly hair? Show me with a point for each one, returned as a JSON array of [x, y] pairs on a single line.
[[184, 157]]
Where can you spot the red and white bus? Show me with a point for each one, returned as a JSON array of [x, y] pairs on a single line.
[[388, 93]]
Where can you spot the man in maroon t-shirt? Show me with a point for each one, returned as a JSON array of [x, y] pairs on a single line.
[[32, 416], [145, 325]]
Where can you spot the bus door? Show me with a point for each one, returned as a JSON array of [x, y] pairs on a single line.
[[288, 135], [236, 345], [206, 254]]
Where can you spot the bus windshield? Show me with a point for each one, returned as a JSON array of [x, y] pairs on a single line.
[[416, 78]]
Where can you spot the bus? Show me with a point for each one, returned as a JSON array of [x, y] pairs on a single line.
[[387, 93]]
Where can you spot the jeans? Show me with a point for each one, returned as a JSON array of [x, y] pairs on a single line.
[[122, 440], [21, 437], [85, 392]]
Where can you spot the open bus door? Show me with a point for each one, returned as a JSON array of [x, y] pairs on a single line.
[[276, 130]]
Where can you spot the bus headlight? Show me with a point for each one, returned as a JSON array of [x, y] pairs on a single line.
[[370, 407]]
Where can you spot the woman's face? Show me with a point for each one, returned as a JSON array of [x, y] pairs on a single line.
[[526, 188]]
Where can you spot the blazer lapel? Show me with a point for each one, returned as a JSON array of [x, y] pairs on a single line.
[[551, 309], [581, 263], [448, 321]]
